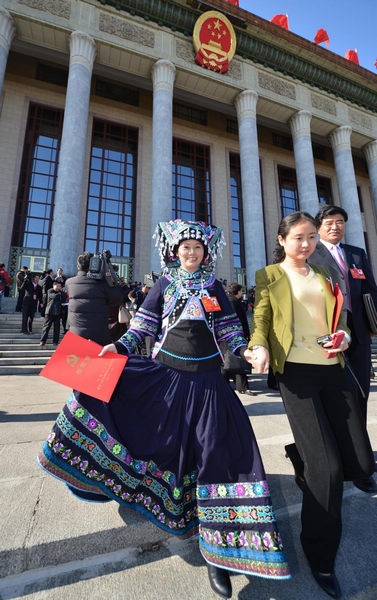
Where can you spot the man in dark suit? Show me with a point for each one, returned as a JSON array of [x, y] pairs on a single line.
[[46, 285], [350, 268], [32, 295]]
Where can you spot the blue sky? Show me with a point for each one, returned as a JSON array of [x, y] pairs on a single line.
[[350, 24]]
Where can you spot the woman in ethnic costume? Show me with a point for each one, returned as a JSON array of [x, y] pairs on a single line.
[[175, 442]]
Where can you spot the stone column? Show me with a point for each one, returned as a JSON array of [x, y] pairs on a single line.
[[340, 140], [163, 75], [255, 253], [65, 233], [302, 145], [370, 151], [7, 31]]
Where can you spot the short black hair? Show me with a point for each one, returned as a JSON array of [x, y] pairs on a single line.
[[2, 266], [50, 271], [83, 261], [327, 210], [234, 288]]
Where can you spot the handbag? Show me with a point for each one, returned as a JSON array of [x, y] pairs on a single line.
[[371, 313], [234, 363], [123, 315]]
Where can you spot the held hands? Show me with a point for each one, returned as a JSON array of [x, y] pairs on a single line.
[[108, 348], [259, 358]]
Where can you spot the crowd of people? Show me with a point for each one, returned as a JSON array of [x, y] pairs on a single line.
[[175, 442]]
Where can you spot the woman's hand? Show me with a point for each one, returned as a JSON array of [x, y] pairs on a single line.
[[108, 348], [341, 348], [259, 358]]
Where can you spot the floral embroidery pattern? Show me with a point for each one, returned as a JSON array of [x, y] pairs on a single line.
[[244, 564], [100, 457], [238, 514], [254, 540], [233, 490]]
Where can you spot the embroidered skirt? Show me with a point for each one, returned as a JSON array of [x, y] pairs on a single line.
[[178, 447]]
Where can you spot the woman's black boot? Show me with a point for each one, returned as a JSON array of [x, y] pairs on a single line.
[[291, 452], [220, 581]]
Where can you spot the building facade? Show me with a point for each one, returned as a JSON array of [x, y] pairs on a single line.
[[108, 125]]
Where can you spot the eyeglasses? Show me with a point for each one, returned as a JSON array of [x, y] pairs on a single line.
[[330, 224]]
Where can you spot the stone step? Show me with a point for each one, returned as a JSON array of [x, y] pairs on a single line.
[[19, 336], [29, 360], [20, 339], [29, 353], [20, 369], [33, 345]]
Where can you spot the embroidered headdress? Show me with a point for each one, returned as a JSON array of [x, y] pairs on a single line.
[[169, 234]]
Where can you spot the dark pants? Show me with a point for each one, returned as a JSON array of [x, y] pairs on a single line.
[[240, 380], [51, 320], [64, 316], [29, 307], [20, 298], [330, 435]]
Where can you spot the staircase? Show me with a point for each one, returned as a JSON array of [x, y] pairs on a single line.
[[21, 354]]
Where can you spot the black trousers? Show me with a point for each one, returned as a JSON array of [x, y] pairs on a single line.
[[331, 438], [64, 317], [51, 320], [28, 312], [21, 294]]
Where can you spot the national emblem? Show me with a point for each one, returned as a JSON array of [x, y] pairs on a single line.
[[214, 41]]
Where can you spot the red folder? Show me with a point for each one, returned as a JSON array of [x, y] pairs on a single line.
[[76, 364], [338, 307]]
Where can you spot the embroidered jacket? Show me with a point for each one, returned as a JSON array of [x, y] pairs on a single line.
[[187, 336]]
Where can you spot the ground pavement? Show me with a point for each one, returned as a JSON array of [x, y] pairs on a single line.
[[56, 547]]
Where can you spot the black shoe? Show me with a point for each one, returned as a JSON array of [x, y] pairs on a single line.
[[42, 343], [329, 583], [291, 452], [220, 581], [367, 485]]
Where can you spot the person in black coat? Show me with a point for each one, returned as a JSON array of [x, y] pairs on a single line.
[[343, 261], [53, 310], [20, 276], [89, 300], [234, 294], [46, 285], [32, 295]]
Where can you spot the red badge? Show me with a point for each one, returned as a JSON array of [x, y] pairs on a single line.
[[357, 273], [211, 304], [214, 41]]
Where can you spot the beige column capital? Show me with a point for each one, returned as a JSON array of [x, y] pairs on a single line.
[[370, 152], [7, 28], [299, 123], [340, 138], [163, 75], [82, 49], [246, 104]]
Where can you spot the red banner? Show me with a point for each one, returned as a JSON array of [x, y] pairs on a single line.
[[281, 20], [321, 36], [352, 56], [235, 2], [76, 364]]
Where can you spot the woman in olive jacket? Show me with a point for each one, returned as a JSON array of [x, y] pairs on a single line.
[[294, 305]]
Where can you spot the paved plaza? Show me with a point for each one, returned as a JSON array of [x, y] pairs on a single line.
[[56, 547]]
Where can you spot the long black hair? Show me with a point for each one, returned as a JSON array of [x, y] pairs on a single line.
[[284, 228]]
